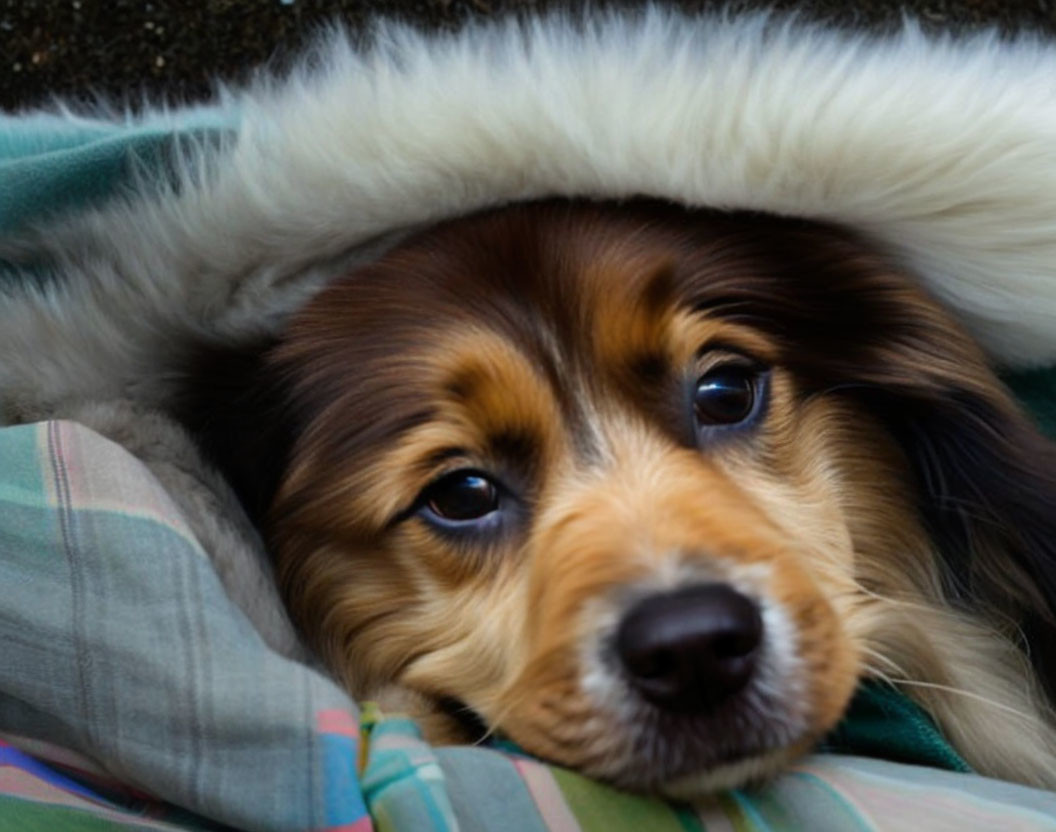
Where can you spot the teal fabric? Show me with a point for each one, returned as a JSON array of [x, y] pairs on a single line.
[[881, 722], [1036, 391], [55, 162]]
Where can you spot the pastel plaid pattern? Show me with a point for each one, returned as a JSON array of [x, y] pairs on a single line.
[[133, 694]]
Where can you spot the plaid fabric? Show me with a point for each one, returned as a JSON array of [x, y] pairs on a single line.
[[131, 686], [119, 642]]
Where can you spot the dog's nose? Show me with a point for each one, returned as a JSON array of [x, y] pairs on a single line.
[[690, 649]]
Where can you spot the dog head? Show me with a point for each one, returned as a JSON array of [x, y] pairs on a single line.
[[643, 488]]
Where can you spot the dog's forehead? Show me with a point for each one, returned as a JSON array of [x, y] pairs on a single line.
[[516, 321], [583, 305], [553, 280]]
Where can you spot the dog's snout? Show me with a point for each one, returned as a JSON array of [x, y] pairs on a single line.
[[690, 649]]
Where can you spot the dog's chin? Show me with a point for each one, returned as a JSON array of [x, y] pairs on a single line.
[[672, 755], [736, 774], [671, 769], [686, 767], [637, 747]]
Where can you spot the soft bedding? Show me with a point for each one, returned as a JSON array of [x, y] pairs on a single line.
[[133, 693]]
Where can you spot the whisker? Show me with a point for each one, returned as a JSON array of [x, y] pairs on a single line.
[[967, 693], [500, 718], [876, 673], [887, 660], [1017, 634]]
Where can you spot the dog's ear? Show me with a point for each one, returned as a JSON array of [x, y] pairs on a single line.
[[988, 493], [853, 323], [237, 410], [986, 474]]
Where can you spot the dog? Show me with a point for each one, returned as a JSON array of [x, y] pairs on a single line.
[[649, 491]]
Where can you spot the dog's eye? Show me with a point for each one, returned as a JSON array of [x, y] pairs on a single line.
[[725, 395], [462, 495]]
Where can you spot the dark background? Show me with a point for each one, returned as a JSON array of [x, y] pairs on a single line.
[[131, 50]]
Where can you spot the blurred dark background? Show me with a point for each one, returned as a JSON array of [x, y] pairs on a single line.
[[127, 50]]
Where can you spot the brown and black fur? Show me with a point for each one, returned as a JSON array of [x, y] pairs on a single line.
[[896, 497]]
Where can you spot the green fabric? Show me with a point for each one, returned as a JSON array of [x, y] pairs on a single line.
[[18, 815], [881, 722], [1036, 390], [600, 808]]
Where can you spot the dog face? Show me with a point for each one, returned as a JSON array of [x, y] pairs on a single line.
[[639, 487]]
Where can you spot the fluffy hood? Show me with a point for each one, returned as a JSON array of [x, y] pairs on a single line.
[[943, 151]]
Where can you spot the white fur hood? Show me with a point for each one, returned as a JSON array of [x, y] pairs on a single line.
[[944, 151]]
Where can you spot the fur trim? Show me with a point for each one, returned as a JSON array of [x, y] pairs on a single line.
[[943, 151]]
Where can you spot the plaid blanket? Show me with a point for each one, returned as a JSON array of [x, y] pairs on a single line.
[[134, 694]]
